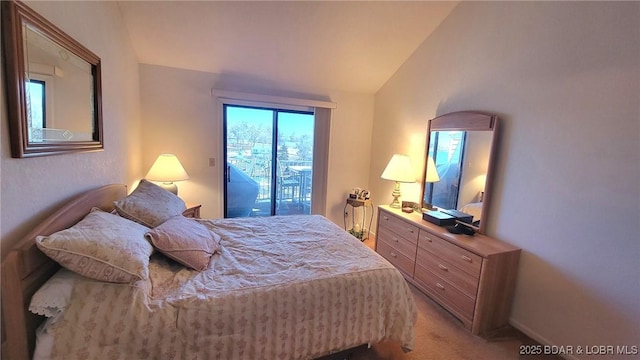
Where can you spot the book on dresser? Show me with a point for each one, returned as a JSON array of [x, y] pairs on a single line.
[[473, 277]]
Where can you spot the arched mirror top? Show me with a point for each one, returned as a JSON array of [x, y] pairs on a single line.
[[459, 162], [53, 86]]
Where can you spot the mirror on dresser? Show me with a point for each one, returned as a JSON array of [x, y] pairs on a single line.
[[459, 157]]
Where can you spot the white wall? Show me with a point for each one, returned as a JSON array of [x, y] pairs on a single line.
[[179, 116], [33, 188], [564, 78]]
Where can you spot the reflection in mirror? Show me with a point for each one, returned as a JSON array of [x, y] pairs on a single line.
[[461, 147], [53, 86], [53, 72], [446, 149]]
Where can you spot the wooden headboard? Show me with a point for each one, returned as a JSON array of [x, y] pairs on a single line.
[[26, 268]]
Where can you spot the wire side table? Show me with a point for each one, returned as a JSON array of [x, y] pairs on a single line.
[[359, 227]]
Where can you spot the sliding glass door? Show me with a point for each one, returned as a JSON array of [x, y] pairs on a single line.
[[269, 161]]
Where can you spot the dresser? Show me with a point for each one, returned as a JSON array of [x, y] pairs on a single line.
[[473, 277]]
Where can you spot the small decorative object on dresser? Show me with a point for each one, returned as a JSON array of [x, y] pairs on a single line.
[[472, 277], [409, 206], [438, 218]]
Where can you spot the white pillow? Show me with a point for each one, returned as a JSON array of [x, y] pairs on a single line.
[[53, 296]]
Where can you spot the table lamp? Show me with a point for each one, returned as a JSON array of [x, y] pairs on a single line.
[[167, 169], [398, 169]]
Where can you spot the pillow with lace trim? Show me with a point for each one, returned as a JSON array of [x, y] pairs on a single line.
[[53, 296]]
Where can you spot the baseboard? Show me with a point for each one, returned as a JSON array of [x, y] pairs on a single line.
[[537, 337]]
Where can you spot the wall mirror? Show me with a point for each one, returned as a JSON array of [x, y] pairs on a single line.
[[52, 84], [459, 163]]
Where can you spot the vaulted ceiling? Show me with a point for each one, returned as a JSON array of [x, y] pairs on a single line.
[[350, 46]]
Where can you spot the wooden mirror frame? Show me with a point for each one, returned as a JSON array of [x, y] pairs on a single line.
[[14, 15], [467, 121]]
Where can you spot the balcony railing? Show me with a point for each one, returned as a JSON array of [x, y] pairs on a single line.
[[293, 184]]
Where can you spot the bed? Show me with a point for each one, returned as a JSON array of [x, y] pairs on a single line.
[[276, 288]]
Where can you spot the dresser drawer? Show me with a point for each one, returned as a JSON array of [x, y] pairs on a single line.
[[468, 284], [453, 254], [448, 295], [397, 242], [399, 226], [401, 262]]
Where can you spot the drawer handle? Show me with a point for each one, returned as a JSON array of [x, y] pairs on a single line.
[[440, 286], [466, 258], [393, 254], [410, 230], [385, 217], [395, 239], [428, 239], [442, 267]]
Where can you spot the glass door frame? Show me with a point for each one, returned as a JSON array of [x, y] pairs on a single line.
[[274, 162]]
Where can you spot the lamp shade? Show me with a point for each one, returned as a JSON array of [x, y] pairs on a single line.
[[432, 172], [167, 168], [399, 169]]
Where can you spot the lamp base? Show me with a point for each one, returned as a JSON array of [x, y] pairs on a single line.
[[171, 187], [395, 204], [396, 195]]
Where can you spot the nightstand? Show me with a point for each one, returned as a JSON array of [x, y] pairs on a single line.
[[193, 211]]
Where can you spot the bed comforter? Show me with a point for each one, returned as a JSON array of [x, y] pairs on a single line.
[[289, 287]]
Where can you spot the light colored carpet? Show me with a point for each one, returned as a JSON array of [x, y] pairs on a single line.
[[438, 335]]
